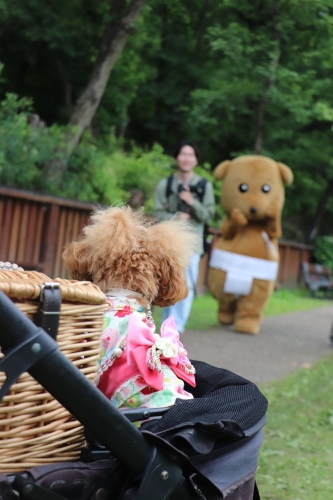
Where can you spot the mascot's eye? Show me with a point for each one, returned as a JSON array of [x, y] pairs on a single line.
[[243, 188], [266, 188]]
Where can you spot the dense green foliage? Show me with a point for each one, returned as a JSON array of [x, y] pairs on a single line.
[[23, 150], [324, 251], [96, 172], [99, 171], [224, 74]]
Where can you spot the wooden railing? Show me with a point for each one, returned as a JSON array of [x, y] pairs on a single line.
[[35, 228], [291, 257]]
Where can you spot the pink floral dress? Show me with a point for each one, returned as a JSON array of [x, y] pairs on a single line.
[[115, 364]]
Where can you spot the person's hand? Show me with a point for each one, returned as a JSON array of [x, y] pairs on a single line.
[[183, 216], [187, 196]]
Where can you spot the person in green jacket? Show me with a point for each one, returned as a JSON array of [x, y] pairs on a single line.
[[187, 196]]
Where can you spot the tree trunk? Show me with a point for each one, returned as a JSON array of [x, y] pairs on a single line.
[[66, 83], [258, 145], [113, 42], [320, 212]]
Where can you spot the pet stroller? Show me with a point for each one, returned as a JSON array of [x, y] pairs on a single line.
[[204, 448]]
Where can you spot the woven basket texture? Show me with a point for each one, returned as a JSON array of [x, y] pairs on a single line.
[[34, 428]]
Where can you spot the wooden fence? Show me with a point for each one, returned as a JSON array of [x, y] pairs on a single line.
[[35, 228]]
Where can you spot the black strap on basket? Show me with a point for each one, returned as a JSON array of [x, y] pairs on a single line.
[[48, 315]]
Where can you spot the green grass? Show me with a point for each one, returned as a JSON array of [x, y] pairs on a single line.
[[284, 301], [204, 308], [296, 459]]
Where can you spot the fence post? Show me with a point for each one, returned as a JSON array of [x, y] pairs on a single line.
[[50, 241]]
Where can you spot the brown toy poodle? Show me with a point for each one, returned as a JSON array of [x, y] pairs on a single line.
[[137, 263]]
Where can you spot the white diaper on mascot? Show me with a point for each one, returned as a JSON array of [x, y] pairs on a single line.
[[244, 262]]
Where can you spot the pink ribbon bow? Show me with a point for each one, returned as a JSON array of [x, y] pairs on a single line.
[[140, 337]]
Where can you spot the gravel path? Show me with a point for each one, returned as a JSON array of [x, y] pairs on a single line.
[[285, 343]]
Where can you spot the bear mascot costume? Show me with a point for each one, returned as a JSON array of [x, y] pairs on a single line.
[[244, 262]]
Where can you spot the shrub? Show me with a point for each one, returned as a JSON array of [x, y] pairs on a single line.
[[99, 171], [324, 251], [23, 149]]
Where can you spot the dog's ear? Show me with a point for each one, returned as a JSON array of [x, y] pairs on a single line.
[[221, 170], [172, 285], [286, 173], [172, 244], [77, 256]]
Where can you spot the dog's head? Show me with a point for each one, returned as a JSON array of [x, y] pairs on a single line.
[[124, 249], [252, 183]]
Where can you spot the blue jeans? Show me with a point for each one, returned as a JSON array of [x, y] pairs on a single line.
[[181, 310]]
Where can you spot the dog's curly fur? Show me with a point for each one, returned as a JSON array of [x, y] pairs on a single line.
[[124, 249]]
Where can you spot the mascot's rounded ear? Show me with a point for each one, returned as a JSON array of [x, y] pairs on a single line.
[[221, 170], [286, 173]]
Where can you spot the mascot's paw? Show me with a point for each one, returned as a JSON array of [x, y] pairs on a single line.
[[247, 325], [273, 211], [238, 217], [226, 318]]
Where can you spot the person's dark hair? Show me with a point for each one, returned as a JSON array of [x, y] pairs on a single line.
[[181, 144]]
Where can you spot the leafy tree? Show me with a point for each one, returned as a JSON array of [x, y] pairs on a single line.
[[324, 251], [98, 171], [271, 91], [113, 41], [234, 77]]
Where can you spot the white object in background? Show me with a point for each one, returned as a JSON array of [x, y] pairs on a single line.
[[242, 270]]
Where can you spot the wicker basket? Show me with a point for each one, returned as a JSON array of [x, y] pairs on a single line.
[[34, 428]]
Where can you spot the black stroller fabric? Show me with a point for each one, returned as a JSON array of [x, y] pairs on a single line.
[[69, 480], [219, 395], [206, 436], [220, 431]]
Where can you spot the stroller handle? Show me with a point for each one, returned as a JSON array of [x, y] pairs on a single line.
[[74, 391], [85, 402]]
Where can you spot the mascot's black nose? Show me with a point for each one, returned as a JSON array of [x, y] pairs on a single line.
[[253, 210]]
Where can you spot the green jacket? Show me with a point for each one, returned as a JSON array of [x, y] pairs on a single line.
[[200, 213]]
